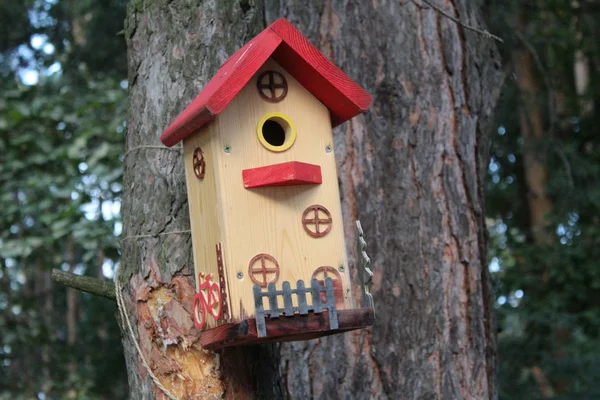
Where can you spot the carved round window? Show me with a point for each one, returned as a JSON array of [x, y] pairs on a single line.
[[263, 269], [325, 272], [317, 220], [272, 86]]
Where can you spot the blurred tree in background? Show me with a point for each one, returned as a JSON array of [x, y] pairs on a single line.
[[543, 199], [62, 113]]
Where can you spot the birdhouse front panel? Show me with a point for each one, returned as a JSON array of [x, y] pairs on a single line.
[[296, 229], [267, 230]]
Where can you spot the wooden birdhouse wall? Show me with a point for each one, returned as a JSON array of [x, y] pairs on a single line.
[[204, 207], [264, 220]]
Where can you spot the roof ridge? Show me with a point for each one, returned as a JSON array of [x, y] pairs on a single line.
[[297, 55]]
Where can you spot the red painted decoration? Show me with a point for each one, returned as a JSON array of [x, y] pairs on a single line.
[[284, 174], [207, 301], [287, 46]]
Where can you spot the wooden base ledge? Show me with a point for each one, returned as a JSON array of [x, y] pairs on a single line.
[[285, 329]]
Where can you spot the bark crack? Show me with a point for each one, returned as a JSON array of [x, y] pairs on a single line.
[[450, 163]]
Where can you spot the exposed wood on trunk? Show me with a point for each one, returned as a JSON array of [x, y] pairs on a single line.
[[412, 171]]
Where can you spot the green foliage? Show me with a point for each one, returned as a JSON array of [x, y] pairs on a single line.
[[61, 146], [549, 293]]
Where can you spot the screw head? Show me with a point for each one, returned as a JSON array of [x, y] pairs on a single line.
[[239, 275], [341, 268], [328, 148], [227, 148]]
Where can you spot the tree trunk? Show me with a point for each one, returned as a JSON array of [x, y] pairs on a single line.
[[174, 47], [412, 169], [531, 125], [532, 130]]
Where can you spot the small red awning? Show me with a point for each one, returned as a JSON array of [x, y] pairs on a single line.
[[284, 174]]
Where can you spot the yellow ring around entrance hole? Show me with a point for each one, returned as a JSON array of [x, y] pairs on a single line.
[[287, 125]]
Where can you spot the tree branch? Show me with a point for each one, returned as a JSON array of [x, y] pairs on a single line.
[[437, 8], [86, 284]]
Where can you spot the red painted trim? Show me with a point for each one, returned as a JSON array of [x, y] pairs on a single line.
[[294, 52], [285, 329], [328, 83], [284, 174], [205, 300], [223, 87]]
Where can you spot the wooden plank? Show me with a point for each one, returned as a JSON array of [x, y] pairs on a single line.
[[282, 174], [299, 327], [204, 221]]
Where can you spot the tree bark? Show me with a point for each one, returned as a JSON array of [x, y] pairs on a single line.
[[174, 48], [412, 169]]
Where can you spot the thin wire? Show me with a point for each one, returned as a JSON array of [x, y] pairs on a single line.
[[158, 234], [458, 21], [177, 149]]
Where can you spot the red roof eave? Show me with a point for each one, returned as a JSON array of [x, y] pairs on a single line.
[[294, 52]]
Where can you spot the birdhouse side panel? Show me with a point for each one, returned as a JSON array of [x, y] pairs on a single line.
[[211, 306], [291, 228]]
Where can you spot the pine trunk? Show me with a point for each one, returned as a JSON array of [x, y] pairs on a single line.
[[412, 170]]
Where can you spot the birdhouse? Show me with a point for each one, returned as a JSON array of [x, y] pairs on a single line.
[[266, 218]]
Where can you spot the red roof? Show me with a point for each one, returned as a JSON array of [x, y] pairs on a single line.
[[289, 48]]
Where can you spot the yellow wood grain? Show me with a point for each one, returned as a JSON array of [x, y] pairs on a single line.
[[264, 220], [202, 200]]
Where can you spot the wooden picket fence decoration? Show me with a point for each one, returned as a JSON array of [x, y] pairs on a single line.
[[289, 310]]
